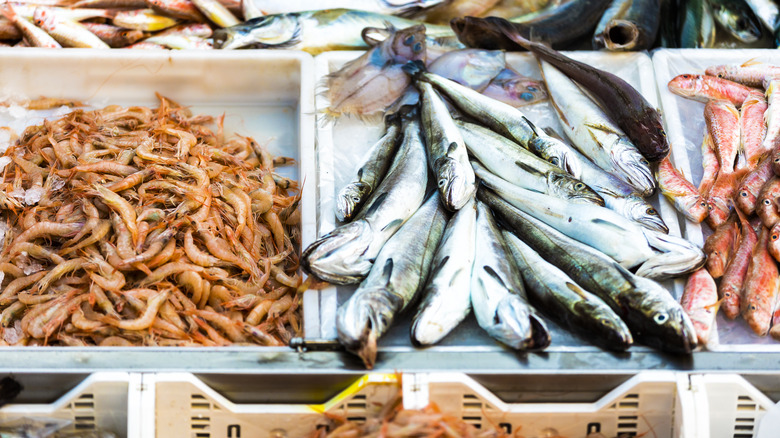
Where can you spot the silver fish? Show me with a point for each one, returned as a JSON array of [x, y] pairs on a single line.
[[446, 299], [767, 11], [402, 8], [592, 225], [346, 254], [498, 116], [447, 153], [522, 168], [594, 134], [653, 315], [563, 300], [395, 279], [618, 195], [314, 31], [497, 293], [474, 68], [369, 173]]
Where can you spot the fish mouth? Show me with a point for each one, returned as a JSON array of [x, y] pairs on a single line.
[[634, 170], [653, 223], [338, 257], [363, 319], [621, 35]]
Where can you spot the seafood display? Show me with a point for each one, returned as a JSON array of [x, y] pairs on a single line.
[[740, 190], [136, 226], [553, 232]]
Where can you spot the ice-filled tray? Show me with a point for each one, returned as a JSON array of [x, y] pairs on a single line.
[[342, 143], [685, 129], [268, 95]]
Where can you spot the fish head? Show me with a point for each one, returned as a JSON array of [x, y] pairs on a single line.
[[686, 85], [339, 257], [557, 153], [478, 32], [637, 209], [269, 31], [657, 320], [516, 90], [718, 210], [455, 182], [573, 189], [364, 318], [774, 241], [635, 167], [44, 18], [511, 323], [739, 25], [349, 199], [758, 314], [746, 199], [407, 44], [694, 208]]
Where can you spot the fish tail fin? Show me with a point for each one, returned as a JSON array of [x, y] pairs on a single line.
[[414, 68]]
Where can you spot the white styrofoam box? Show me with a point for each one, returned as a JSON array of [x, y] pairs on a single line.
[[685, 128], [180, 404], [728, 406], [102, 401], [341, 144], [654, 402], [268, 95]]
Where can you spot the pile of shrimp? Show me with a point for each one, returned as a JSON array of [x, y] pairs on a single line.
[[133, 226], [392, 421]]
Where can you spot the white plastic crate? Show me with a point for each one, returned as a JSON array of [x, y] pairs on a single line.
[[104, 400], [728, 406], [266, 94], [181, 405], [654, 402]]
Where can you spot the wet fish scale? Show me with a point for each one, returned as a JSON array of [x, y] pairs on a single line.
[[710, 165], [751, 185], [753, 128], [699, 301], [750, 73], [722, 119], [766, 208], [730, 289], [760, 291], [719, 246], [705, 88], [772, 114], [680, 192]]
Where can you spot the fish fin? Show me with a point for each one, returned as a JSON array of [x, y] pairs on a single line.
[[397, 222], [388, 30], [376, 204], [439, 267], [508, 29], [387, 271], [531, 125], [493, 274], [576, 289], [602, 128], [553, 133], [452, 147], [751, 62], [599, 221], [529, 169], [596, 140], [414, 68]]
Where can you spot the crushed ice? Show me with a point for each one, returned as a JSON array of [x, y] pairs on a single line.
[[33, 195]]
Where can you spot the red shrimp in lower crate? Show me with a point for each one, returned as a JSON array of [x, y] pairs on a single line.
[[750, 187], [700, 303], [730, 288], [760, 290]]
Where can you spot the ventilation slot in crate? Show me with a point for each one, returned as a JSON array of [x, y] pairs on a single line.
[[744, 427], [199, 402], [472, 408], [84, 402], [629, 402], [745, 403], [83, 409]]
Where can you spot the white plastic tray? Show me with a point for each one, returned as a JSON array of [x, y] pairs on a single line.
[[105, 400], [728, 406], [685, 129], [654, 402], [341, 144], [265, 94]]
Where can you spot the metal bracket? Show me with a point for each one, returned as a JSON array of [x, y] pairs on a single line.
[[303, 344]]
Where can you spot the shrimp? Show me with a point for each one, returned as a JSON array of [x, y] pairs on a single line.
[[107, 166], [99, 232], [22, 282], [147, 318], [229, 327], [118, 203], [170, 269], [57, 272], [42, 229], [145, 151], [165, 255], [197, 256]]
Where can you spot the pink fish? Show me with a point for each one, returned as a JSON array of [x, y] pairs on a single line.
[[700, 303]]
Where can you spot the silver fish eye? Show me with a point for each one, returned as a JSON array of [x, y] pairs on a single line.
[[355, 199], [651, 211], [555, 160], [660, 318], [579, 186], [442, 182]]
